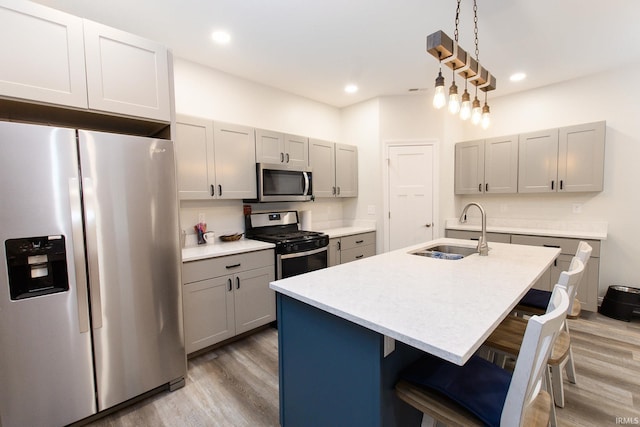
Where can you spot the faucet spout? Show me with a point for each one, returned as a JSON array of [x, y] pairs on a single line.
[[483, 247]]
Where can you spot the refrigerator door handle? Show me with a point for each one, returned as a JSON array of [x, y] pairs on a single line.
[[92, 251], [78, 254]]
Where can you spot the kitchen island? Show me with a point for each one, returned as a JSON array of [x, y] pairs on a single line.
[[346, 331]]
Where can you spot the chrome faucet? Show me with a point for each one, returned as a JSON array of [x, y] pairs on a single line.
[[483, 248]]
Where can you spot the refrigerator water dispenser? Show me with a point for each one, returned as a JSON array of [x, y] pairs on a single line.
[[37, 266]]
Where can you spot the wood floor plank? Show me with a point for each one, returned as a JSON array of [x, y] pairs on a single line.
[[237, 385]]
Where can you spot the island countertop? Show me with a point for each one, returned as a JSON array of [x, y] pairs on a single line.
[[444, 307]]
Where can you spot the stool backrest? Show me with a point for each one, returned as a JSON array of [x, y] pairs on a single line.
[[536, 348], [584, 252], [570, 279]]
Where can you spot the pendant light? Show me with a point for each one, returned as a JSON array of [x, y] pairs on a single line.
[[439, 98], [465, 107], [454, 99], [451, 54]]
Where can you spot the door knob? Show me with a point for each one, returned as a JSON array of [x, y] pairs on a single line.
[[428, 225]]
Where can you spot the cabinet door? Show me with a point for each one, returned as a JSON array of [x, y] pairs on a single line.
[[323, 167], [255, 303], [126, 74], [235, 166], [208, 312], [346, 170], [333, 255], [581, 157], [296, 151], [501, 165], [269, 146], [42, 55], [195, 158], [469, 167], [538, 162], [544, 282]]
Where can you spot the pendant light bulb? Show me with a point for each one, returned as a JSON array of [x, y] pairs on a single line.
[[486, 116], [465, 107], [439, 98], [476, 112], [454, 99]]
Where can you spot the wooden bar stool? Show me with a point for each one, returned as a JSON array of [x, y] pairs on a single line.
[[482, 393], [507, 337]]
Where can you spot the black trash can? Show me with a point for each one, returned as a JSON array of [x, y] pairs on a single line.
[[620, 302]]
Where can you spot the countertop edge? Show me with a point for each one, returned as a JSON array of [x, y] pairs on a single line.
[[570, 234], [337, 232], [220, 249]]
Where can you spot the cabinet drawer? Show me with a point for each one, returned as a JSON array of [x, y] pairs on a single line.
[[364, 239], [474, 235], [354, 254], [194, 271], [567, 246]]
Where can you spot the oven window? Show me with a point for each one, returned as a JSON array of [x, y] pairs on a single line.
[[303, 264]]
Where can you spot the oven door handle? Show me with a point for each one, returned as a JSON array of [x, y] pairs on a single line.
[[301, 254], [306, 183]]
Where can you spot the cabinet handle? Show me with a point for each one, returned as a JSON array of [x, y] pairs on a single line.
[[486, 187], [551, 246], [338, 191], [480, 188], [287, 155], [359, 256], [339, 245], [333, 190], [237, 283], [561, 184], [213, 190], [428, 225], [474, 238], [281, 157], [219, 190], [553, 183], [233, 266], [555, 262], [359, 241], [230, 286]]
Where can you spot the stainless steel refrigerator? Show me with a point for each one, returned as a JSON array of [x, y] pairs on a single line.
[[90, 298]]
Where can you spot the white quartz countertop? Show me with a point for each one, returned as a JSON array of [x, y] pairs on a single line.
[[596, 230], [220, 248], [346, 231], [445, 307]]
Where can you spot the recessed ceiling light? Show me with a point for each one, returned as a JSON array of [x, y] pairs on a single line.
[[516, 77], [351, 88], [221, 37]]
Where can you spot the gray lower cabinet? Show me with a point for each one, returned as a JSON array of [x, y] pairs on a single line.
[[226, 296], [351, 248], [588, 287]]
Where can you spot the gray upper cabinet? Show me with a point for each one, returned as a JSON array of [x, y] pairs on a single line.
[[60, 59], [215, 160], [581, 157], [568, 159], [42, 55], [279, 148], [334, 167], [126, 74], [487, 166]]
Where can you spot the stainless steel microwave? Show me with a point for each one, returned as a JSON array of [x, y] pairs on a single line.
[[279, 183]]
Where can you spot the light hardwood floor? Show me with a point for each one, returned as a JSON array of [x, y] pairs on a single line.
[[237, 385]]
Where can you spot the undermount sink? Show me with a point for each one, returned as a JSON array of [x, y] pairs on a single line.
[[449, 252]]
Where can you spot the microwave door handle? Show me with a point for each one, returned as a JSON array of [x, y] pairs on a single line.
[[306, 183]]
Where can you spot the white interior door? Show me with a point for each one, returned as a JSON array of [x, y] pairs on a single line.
[[410, 195]]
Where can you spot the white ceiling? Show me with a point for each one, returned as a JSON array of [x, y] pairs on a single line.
[[314, 48]]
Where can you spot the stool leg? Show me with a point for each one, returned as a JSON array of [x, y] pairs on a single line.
[[549, 386], [570, 368], [558, 389]]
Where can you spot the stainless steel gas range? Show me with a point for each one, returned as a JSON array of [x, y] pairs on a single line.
[[297, 251]]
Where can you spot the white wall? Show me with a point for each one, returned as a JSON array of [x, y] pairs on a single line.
[[211, 94], [609, 96]]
